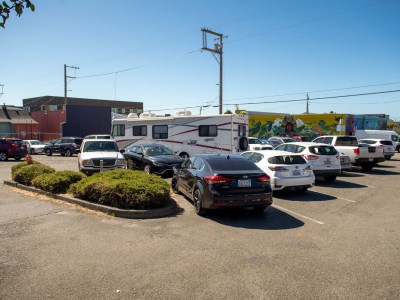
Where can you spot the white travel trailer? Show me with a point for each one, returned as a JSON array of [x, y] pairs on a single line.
[[183, 132], [378, 134]]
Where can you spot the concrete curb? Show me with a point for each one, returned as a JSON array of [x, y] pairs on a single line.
[[116, 212]]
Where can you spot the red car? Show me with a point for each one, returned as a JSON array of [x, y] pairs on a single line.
[[11, 147]]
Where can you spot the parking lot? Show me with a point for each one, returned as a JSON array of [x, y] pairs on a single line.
[[336, 241]]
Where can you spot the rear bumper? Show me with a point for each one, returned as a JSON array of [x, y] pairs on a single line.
[[327, 172], [244, 200], [374, 160], [18, 153], [281, 184]]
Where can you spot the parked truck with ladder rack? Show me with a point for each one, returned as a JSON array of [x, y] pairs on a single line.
[[183, 132]]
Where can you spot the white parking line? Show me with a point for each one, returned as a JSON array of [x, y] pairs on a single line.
[[341, 198], [294, 213]]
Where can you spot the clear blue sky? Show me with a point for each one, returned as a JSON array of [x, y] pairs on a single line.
[[274, 51]]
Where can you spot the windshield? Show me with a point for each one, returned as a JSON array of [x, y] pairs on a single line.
[[254, 141], [37, 143], [158, 150], [287, 160], [94, 146]]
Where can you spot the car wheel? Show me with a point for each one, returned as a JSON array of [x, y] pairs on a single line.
[[17, 157], [197, 203], [3, 156], [32, 151], [68, 152], [174, 185], [367, 167], [147, 169], [330, 179], [387, 157], [48, 152]]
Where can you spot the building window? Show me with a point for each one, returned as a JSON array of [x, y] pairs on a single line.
[[160, 132], [139, 130], [118, 130], [242, 130], [208, 130], [52, 107]]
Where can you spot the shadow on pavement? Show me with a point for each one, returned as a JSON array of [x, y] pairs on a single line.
[[309, 196], [342, 184], [270, 219]]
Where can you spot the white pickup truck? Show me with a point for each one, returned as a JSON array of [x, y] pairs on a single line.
[[361, 155]]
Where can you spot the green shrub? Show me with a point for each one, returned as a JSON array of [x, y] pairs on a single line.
[[26, 174], [125, 189], [18, 166], [57, 182]]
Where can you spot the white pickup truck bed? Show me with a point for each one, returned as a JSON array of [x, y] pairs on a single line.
[[361, 155]]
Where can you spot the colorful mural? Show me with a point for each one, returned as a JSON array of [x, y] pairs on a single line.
[[312, 125]]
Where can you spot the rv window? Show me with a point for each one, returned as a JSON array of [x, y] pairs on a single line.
[[118, 130], [208, 130], [160, 132], [139, 130], [242, 130]]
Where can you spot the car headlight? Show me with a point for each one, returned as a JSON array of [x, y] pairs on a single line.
[[120, 162], [86, 163]]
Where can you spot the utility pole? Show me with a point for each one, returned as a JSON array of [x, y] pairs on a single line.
[[307, 104], [217, 50], [65, 81]]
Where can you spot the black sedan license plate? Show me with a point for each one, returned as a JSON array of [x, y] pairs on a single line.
[[244, 183]]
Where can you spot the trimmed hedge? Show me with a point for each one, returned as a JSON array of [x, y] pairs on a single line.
[[57, 182], [18, 166], [28, 172], [126, 189]]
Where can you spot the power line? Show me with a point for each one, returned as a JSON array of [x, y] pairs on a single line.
[[287, 101]]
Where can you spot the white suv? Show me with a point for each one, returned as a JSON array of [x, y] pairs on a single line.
[[323, 158], [97, 155], [388, 148], [256, 144]]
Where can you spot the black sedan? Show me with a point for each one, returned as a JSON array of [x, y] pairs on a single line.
[[222, 180], [152, 158]]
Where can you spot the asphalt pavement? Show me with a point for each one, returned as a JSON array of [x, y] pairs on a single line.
[[336, 241]]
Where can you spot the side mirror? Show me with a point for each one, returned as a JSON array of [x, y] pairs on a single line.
[[122, 151]]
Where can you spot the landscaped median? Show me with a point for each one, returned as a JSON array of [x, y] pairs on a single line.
[[120, 193]]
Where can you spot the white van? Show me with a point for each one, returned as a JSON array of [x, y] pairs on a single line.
[[379, 134]]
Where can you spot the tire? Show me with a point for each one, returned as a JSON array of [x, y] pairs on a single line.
[[3, 156], [368, 167], [329, 179], [68, 152], [147, 169], [388, 157], [243, 143], [174, 186], [17, 157], [48, 152], [198, 203], [33, 151]]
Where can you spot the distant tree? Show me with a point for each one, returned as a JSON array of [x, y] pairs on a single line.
[[228, 112], [15, 5]]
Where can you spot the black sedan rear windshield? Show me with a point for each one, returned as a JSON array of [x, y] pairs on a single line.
[[323, 150], [231, 164]]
